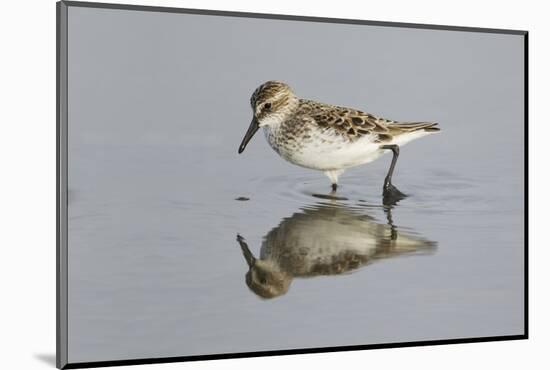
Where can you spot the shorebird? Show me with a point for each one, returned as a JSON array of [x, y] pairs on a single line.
[[324, 240], [327, 137]]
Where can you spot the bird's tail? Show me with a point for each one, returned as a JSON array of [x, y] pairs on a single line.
[[403, 127]]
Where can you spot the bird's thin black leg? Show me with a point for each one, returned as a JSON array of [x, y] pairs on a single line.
[[389, 219], [391, 194]]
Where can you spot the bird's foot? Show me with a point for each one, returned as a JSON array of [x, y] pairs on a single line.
[[391, 195], [332, 195]]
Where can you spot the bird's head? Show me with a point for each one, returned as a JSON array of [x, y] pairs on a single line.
[[267, 280], [264, 277], [272, 103]]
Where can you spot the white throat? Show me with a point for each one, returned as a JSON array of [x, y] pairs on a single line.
[[273, 120]]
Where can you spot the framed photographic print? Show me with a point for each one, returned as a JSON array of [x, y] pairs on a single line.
[[236, 184]]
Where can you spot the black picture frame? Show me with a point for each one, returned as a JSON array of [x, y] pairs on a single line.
[[62, 185]]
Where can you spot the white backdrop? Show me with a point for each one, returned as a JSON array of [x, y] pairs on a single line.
[[27, 196]]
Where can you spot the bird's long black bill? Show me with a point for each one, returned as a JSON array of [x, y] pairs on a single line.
[[249, 133], [248, 256]]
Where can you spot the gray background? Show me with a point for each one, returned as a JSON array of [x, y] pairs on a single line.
[[158, 104]]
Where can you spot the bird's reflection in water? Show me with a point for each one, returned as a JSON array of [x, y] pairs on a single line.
[[325, 239]]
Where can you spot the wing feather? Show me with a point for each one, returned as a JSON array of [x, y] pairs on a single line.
[[354, 124]]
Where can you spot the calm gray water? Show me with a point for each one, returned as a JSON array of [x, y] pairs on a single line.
[[158, 104]]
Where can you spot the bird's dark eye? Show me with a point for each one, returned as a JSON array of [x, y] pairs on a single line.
[[267, 106]]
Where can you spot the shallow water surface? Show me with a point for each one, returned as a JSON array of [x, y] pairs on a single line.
[[446, 262]]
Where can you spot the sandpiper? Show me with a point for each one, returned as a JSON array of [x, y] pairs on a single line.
[[322, 240], [327, 137]]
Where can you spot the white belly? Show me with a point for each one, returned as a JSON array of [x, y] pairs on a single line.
[[334, 155], [330, 153], [339, 157]]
